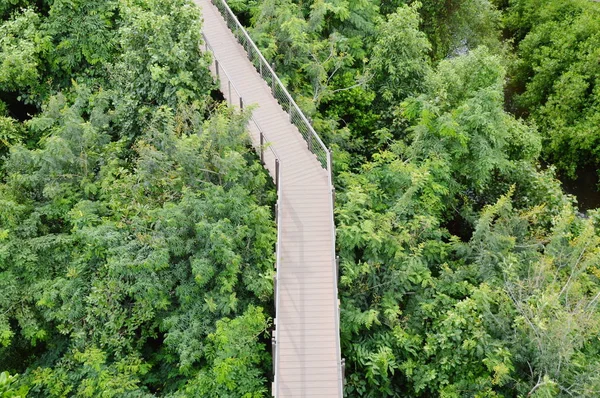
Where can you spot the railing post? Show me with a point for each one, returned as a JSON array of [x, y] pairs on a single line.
[[273, 80], [330, 165], [230, 98], [333, 197], [217, 67], [310, 144], [274, 347], [277, 174], [273, 85], [337, 266], [262, 152], [343, 371], [241, 103]]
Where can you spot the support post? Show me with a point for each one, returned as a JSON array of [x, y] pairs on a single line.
[[274, 348], [262, 151], [273, 86], [229, 82], [333, 197], [217, 67], [330, 156], [277, 174], [273, 80], [241, 103]]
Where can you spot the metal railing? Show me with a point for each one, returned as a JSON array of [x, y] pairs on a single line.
[[233, 97], [280, 93], [314, 143]]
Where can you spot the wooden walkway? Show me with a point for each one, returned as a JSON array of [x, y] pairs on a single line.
[[307, 332]]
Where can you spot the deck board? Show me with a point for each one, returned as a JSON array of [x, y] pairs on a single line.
[[307, 334]]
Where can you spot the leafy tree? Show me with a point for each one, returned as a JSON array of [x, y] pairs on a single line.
[[399, 60], [235, 356], [22, 47], [455, 26], [556, 76], [428, 308], [136, 234]]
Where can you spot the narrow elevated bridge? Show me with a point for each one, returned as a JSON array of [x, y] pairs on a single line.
[[307, 361]]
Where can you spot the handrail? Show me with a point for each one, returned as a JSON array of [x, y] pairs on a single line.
[[322, 153], [280, 93], [231, 85]]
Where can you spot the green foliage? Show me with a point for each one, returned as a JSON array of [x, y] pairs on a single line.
[[399, 59], [235, 355], [8, 388], [90, 41], [22, 46], [453, 27], [87, 374], [460, 121], [426, 312], [136, 235], [558, 75], [10, 133], [160, 58], [114, 257]]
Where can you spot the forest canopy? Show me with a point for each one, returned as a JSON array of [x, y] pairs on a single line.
[[136, 230], [136, 222]]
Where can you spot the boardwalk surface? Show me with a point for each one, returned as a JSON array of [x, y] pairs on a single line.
[[309, 358]]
